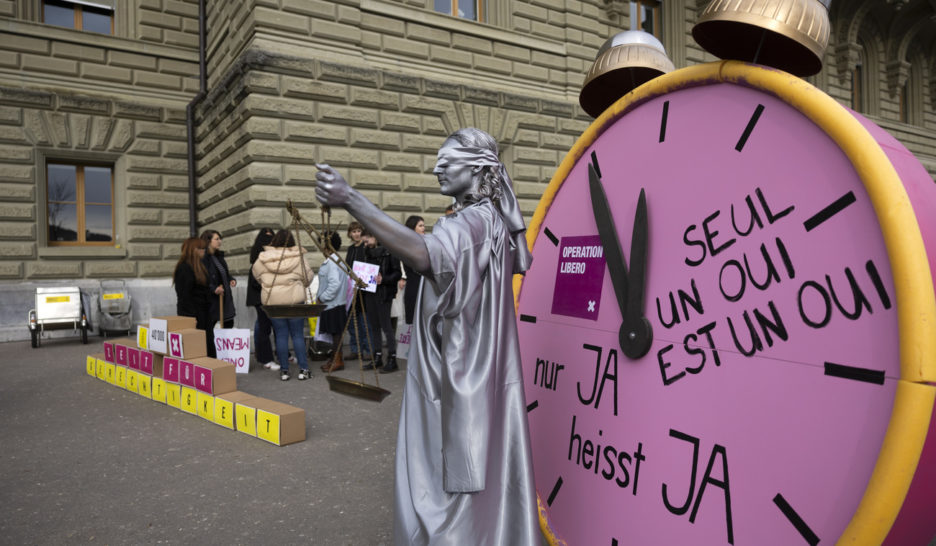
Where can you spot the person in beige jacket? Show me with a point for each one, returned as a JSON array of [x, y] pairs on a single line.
[[284, 273]]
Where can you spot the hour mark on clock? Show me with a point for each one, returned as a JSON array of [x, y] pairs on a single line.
[[532, 406], [555, 491], [836, 207], [552, 237], [750, 127], [797, 521], [528, 318], [663, 121], [855, 373]]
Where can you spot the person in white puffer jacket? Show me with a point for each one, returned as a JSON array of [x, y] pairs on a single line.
[[284, 273]]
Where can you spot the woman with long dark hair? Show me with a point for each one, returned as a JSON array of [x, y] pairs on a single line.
[[262, 326], [191, 285]]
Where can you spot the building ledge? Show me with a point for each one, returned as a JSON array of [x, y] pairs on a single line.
[[82, 252]]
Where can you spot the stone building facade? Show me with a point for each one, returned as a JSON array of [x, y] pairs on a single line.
[[369, 86]]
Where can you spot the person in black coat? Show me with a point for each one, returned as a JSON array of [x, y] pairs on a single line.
[[191, 285], [378, 304], [220, 284], [413, 279], [262, 326]]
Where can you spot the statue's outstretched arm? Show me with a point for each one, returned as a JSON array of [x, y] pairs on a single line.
[[331, 189]]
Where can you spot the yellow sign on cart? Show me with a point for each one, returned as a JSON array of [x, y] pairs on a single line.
[[189, 402], [158, 389], [174, 395], [113, 296], [57, 299]]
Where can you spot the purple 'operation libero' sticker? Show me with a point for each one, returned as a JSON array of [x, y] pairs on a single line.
[[579, 277]]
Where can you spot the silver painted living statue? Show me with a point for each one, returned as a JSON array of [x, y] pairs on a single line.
[[464, 472]]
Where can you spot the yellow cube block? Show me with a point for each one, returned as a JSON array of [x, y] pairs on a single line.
[[121, 377], [246, 419], [100, 370], [143, 385], [132, 376], [206, 404], [268, 426], [91, 365], [174, 395], [224, 413], [110, 373], [189, 402], [158, 389]]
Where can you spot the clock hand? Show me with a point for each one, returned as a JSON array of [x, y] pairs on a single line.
[[614, 257], [639, 333]]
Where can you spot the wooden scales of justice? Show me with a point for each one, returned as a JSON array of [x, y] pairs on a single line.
[[349, 387]]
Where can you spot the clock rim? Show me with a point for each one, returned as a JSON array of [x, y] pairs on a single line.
[[916, 303]]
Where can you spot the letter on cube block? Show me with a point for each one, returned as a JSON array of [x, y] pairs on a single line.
[[144, 385], [246, 419], [91, 365], [189, 400], [132, 380], [133, 358], [158, 389], [142, 337], [174, 395], [121, 379], [110, 373], [101, 370], [205, 406]]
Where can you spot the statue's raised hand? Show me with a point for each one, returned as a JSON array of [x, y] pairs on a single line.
[[331, 189]]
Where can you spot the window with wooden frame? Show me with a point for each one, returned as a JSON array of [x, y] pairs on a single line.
[[473, 10], [80, 203], [80, 15], [646, 15]]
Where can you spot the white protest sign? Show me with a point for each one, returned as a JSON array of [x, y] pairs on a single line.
[[233, 345], [368, 273], [158, 335], [404, 333]]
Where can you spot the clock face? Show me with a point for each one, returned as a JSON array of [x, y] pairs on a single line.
[[759, 411]]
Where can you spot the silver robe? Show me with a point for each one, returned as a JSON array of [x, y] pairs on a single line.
[[464, 472]]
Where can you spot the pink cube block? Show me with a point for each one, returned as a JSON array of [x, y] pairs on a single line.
[[146, 362], [186, 373], [120, 354], [133, 358], [171, 369]]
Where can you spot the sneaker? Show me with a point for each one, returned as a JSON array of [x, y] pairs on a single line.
[[271, 366], [284, 376], [304, 374]]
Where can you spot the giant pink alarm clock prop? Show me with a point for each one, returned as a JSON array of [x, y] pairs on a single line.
[[729, 330]]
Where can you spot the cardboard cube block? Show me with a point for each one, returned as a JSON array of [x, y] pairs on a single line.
[[279, 423], [120, 376], [213, 376], [205, 405], [110, 373], [147, 359], [189, 402], [158, 389], [159, 328], [142, 337], [170, 369], [144, 385], [224, 407], [174, 395], [109, 351], [91, 364], [245, 415], [133, 358], [189, 343], [132, 376], [100, 370], [186, 373]]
